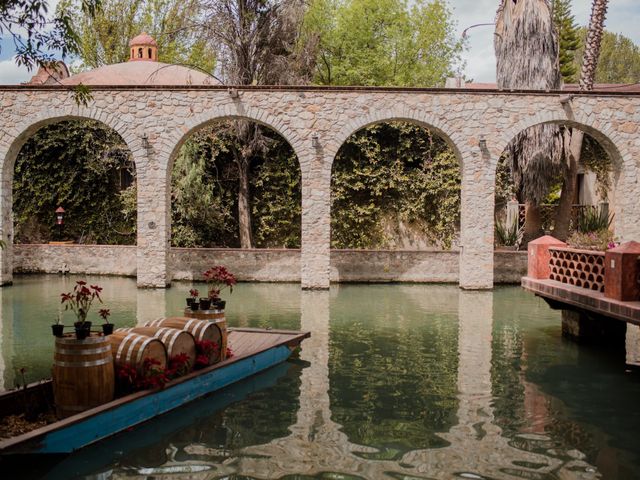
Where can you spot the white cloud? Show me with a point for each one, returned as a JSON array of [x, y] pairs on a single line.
[[622, 17], [11, 74]]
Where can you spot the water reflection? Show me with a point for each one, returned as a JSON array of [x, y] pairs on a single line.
[[398, 382]]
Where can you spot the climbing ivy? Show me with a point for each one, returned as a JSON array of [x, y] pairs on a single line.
[[389, 175], [86, 168]]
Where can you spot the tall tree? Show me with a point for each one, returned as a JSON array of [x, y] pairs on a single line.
[[383, 42], [619, 60], [527, 58], [36, 34], [569, 39], [574, 137], [257, 44], [104, 38]]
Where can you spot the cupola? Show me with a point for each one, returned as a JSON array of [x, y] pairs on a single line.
[[143, 48]]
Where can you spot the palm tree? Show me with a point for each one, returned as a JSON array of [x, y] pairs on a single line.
[[575, 137], [526, 47]]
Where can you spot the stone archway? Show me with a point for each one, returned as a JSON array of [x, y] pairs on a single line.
[[625, 169], [10, 145]]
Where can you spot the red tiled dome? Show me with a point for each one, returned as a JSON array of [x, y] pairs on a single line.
[[144, 39]]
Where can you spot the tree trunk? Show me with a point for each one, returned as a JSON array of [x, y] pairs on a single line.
[[573, 148], [532, 222], [587, 79], [244, 204], [592, 44]]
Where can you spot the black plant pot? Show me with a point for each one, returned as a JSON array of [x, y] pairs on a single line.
[[189, 301], [194, 306], [107, 329], [83, 330], [205, 304], [57, 329], [220, 304]]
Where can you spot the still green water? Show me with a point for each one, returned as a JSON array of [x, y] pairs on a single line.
[[397, 382]]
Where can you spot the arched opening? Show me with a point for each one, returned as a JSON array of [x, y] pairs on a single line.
[[557, 178], [234, 184], [83, 166], [396, 186]]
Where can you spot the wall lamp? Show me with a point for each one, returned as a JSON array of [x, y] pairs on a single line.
[[233, 92], [315, 141], [482, 142], [566, 99]]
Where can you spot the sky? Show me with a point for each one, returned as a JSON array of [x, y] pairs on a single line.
[[623, 17]]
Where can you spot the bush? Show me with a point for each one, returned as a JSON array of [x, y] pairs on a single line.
[[599, 240]]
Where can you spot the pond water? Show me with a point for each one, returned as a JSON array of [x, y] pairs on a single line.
[[396, 381]]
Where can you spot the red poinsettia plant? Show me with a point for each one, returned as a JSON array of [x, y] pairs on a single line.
[[219, 278], [80, 299]]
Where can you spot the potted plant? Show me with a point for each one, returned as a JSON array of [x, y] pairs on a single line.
[[79, 302], [193, 295], [193, 304], [205, 303], [219, 278], [107, 327], [57, 328]]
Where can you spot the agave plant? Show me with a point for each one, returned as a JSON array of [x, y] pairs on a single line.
[[593, 219]]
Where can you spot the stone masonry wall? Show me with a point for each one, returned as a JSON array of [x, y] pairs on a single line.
[[154, 121], [265, 265]]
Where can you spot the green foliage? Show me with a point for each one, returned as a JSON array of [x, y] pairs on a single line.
[[393, 172], [382, 42], [35, 35], [593, 219], [568, 38], [104, 39], [594, 158], [506, 235], [619, 60], [205, 192], [79, 165]]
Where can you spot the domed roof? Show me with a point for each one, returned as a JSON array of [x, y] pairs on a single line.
[[141, 73], [143, 39], [142, 68]]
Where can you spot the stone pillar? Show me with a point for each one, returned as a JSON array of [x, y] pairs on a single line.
[[476, 223], [154, 212], [585, 327], [539, 256], [316, 225], [151, 305], [632, 344], [6, 218]]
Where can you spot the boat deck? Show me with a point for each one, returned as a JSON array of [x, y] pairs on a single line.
[[247, 341]]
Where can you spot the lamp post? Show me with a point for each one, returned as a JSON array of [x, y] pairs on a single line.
[[60, 221]]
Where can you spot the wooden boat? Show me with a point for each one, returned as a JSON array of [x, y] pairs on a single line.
[[254, 350]]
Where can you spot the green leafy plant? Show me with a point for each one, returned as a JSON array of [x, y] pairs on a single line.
[[507, 235], [593, 219]]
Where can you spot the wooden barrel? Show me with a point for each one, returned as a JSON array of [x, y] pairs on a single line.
[[215, 331], [204, 314], [132, 348], [83, 375], [176, 341]]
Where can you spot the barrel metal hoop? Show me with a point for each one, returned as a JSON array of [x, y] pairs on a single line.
[[123, 345], [137, 339], [94, 351], [74, 341], [95, 363], [142, 347]]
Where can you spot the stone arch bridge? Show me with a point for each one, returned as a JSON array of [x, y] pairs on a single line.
[[154, 121]]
